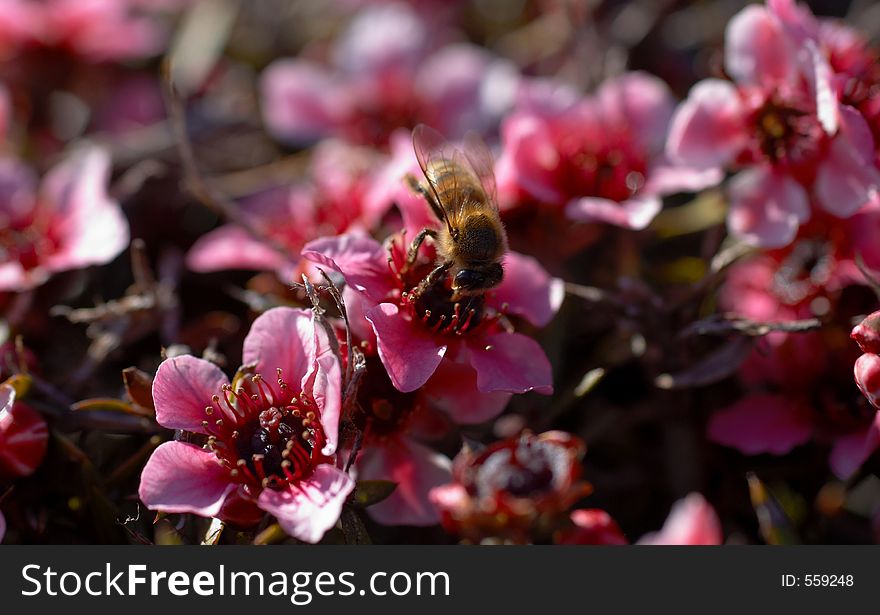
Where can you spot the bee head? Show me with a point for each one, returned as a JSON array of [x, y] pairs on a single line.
[[478, 279]]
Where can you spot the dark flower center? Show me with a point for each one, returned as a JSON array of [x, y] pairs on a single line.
[[806, 269], [524, 468], [436, 306], [384, 411], [789, 136], [610, 168], [264, 434]]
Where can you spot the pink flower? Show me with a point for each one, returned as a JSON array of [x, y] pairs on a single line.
[[867, 373], [799, 385], [23, 436], [414, 335], [867, 366], [269, 444], [782, 124], [395, 425], [600, 158], [383, 75], [70, 223], [338, 199], [97, 30], [692, 521], [514, 489]]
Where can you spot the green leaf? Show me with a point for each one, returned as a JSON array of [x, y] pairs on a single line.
[[369, 492]]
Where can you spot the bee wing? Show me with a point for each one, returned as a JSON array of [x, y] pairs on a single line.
[[482, 163], [432, 150]]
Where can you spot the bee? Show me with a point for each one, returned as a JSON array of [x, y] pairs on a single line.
[[471, 241]]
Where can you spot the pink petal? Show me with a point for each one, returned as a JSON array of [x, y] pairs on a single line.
[[90, 225], [827, 107], [184, 478], [510, 362], [766, 207], [408, 352], [281, 338], [24, 436], [692, 521], [307, 509], [453, 389], [301, 101], [526, 139], [449, 497], [359, 258], [381, 38], [231, 247], [708, 129], [849, 452], [2, 526], [762, 423], [867, 375], [757, 50], [182, 389], [469, 87], [671, 179], [17, 189], [643, 102], [847, 179], [325, 383], [416, 469], [635, 213], [527, 290]]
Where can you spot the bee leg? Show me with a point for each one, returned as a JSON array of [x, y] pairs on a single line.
[[432, 278], [426, 194], [413, 252]]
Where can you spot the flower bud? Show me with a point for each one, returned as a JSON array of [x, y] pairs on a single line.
[[867, 333], [867, 373]]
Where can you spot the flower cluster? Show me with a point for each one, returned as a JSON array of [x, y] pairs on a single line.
[[787, 121], [445, 246]]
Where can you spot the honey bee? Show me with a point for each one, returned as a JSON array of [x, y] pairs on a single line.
[[471, 241]]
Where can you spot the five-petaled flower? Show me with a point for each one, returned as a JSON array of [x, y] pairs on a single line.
[[386, 74], [69, 223], [268, 440], [601, 157], [416, 332], [781, 123]]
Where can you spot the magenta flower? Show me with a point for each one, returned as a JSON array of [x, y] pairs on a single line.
[[800, 385], [69, 223], [600, 158], [781, 124], [395, 425], [415, 335], [692, 521], [339, 198], [269, 443], [23, 436], [383, 75], [867, 367]]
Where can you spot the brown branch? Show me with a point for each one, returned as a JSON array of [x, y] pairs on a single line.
[[722, 324]]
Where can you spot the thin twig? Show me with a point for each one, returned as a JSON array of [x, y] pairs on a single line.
[[721, 324]]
